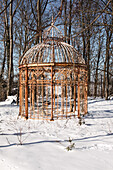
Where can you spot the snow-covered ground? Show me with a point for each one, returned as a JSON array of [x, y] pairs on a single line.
[[57, 145]]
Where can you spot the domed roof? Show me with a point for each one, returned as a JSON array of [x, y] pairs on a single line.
[[53, 49]]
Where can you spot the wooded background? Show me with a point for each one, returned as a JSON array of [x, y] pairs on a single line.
[[85, 24]]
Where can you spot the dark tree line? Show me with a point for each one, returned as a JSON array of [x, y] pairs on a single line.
[[86, 24]]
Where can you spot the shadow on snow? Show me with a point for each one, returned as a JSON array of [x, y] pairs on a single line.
[[55, 141]]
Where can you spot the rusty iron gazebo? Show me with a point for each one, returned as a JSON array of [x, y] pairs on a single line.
[[53, 79]]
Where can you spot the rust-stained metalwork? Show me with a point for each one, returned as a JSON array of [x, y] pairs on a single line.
[[26, 93], [53, 79]]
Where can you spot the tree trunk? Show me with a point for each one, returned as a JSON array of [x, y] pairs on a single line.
[[4, 59], [10, 71], [7, 37], [108, 58], [96, 76], [39, 38], [88, 60], [65, 19], [104, 79], [83, 33], [70, 18]]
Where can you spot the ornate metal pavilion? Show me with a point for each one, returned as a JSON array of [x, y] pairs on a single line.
[[53, 79]]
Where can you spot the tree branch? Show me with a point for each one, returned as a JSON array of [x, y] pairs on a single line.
[[6, 7], [16, 8], [93, 20]]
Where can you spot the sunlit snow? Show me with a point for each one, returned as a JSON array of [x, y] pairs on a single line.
[[57, 145]]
